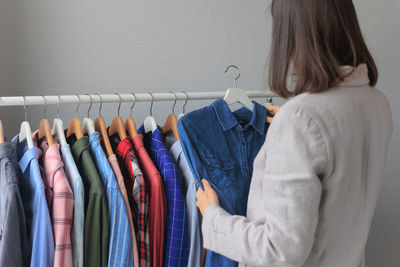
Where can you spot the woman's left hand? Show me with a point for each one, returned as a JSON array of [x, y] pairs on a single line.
[[206, 197]]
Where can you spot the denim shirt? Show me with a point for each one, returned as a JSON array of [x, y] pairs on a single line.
[[221, 146]]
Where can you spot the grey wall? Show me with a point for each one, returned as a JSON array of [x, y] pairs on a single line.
[[64, 47]]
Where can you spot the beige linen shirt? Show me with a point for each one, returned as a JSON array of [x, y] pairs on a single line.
[[315, 184]]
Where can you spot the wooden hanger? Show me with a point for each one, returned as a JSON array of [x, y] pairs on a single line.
[[130, 124], [236, 95], [25, 132], [100, 126], [75, 126], [1, 133], [171, 122], [117, 124], [150, 124], [44, 127]]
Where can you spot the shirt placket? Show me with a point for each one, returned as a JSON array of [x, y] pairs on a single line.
[[243, 150]]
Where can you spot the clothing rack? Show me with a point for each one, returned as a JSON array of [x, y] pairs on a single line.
[[115, 98]]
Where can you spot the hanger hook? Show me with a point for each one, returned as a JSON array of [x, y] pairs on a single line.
[[45, 104], [26, 114], [90, 106], [237, 77], [58, 106], [151, 105], [186, 100], [134, 102], [120, 100], [176, 98], [101, 104], [79, 103]]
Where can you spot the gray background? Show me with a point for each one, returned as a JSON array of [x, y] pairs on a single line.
[[65, 47]]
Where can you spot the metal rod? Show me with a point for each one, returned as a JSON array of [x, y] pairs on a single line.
[[113, 98]]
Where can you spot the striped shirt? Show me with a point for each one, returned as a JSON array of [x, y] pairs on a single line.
[[120, 246], [60, 200], [75, 180], [137, 194], [177, 243]]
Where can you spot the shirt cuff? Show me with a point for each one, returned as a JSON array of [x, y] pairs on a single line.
[[210, 225]]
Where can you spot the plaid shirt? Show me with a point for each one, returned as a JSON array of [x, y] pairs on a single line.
[[60, 200], [177, 243], [137, 195]]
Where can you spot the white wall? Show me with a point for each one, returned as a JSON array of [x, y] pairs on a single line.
[[65, 47]]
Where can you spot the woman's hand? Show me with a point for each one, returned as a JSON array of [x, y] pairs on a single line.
[[206, 197], [273, 110]]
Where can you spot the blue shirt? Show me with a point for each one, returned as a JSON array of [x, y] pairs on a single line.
[[38, 224], [78, 226], [120, 251], [177, 244], [220, 146], [196, 251]]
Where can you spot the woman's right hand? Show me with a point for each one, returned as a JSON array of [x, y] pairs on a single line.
[[273, 110]]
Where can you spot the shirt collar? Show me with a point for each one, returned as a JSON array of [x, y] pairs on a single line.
[[80, 145], [358, 76], [176, 150], [228, 120], [6, 149]]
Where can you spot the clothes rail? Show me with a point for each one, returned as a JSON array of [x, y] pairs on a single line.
[[114, 98]]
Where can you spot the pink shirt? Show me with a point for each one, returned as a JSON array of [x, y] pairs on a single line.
[[60, 200], [120, 179]]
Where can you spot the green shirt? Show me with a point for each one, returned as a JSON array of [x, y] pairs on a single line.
[[96, 236]]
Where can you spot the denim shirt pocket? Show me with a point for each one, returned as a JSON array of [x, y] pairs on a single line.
[[221, 171]]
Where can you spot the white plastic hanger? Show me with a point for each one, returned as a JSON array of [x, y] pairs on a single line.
[[25, 130], [236, 95], [88, 124], [184, 106], [58, 127], [150, 124]]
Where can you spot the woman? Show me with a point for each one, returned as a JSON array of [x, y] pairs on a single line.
[[317, 178]]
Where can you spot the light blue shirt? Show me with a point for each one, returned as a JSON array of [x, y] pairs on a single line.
[[120, 247], [38, 222], [189, 187], [78, 226]]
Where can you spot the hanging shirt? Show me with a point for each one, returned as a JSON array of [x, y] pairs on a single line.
[[137, 194], [14, 246], [196, 251], [60, 200], [38, 224], [177, 244], [120, 246], [220, 146], [157, 217], [76, 183], [97, 226], [120, 179]]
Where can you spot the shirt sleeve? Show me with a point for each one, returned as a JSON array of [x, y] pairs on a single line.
[[288, 186]]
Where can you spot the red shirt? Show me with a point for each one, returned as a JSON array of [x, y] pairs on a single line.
[[157, 209]]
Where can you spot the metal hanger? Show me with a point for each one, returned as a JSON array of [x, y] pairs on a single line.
[[236, 95], [100, 126], [88, 125], [184, 106], [130, 124], [150, 124], [75, 126], [172, 121], [25, 132], [58, 126], [117, 124], [44, 126]]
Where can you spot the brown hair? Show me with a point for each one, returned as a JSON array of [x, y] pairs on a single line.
[[316, 37]]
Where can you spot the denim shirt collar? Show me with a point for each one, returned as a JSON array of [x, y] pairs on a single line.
[[227, 119]]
